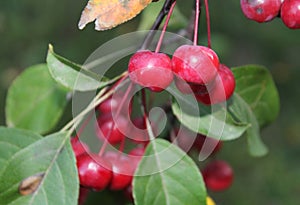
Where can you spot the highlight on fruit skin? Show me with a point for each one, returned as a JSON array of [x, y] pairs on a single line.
[[209, 201]]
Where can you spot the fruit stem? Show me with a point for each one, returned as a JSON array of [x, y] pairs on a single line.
[[208, 24], [163, 12], [165, 27], [103, 148], [122, 146], [196, 24], [145, 115]]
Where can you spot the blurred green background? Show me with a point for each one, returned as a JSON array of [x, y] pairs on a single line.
[[27, 27]]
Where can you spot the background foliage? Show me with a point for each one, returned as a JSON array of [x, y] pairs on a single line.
[[26, 28]]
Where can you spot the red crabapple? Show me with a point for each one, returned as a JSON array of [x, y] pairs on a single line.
[[151, 70], [122, 170], [260, 10], [290, 13], [195, 64], [94, 172], [218, 175]]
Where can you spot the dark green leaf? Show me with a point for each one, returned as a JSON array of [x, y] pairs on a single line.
[[256, 87], [27, 156], [34, 101], [167, 175], [72, 75], [243, 112]]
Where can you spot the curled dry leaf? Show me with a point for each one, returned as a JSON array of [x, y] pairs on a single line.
[[110, 13], [30, 184]]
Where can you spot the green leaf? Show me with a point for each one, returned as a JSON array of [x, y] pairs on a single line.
[[72, 75], [34, 101], [178, 20], [256, 87], [25, 154], [166, 175], [219, 125], [241, 110]]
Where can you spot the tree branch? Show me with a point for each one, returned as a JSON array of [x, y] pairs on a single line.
[[163, 12]]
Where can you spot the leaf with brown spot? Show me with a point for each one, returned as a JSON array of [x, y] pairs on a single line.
[[36, 170], [110, 13], [30, 184]]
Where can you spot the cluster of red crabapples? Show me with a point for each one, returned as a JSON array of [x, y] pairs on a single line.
[[115, 170], [111, 169], [197, 71], [266, 10]]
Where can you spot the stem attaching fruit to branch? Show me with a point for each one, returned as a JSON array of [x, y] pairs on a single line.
[[196, 24], [165, 28], [208, 24]]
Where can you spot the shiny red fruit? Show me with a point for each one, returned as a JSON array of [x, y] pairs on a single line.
[[195, 64], [94, 171], [223, 88], [218, 176], [151, 70], [260, 10], [122, 169], [78, 146], [290, 13], [111, 129]]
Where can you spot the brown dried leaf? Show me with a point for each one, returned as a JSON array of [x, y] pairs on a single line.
[[110, 13]]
